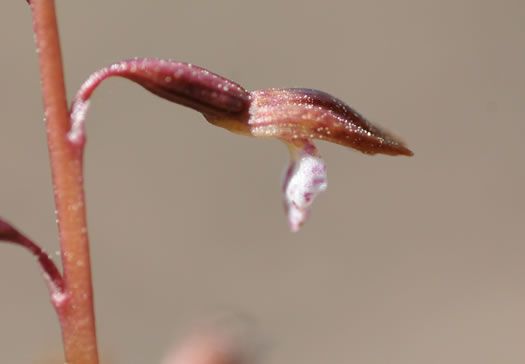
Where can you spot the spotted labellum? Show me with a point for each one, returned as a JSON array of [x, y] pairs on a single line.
[[296, 116]]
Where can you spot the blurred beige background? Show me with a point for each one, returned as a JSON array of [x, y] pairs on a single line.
[[403, 260]]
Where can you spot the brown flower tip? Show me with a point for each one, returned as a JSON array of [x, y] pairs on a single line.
[[302, 114]]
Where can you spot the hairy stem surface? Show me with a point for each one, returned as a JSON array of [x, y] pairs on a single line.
[[77, 315]]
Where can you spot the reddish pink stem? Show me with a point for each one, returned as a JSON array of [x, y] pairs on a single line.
[[77, 317]]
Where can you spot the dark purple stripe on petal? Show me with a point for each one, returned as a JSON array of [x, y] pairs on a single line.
[[179, 82], [188, 85], [310, 114]]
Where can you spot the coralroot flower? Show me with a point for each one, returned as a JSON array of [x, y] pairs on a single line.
[[295, 116]]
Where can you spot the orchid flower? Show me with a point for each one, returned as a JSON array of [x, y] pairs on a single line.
[[296, 116]]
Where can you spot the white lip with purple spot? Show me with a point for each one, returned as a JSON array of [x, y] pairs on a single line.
[[304, 179]]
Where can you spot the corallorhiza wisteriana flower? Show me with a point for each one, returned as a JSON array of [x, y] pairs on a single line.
[[296, 116]]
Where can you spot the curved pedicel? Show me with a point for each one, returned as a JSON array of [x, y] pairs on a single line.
[[298, 113], [51, 274], [178, 82]]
